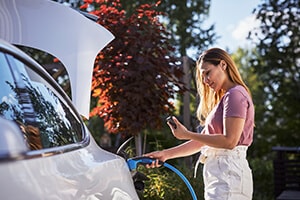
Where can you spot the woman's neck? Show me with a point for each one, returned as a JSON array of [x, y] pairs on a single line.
[[229, 85]]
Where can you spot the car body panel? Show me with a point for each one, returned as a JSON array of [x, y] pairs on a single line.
[[86, 173], [80, 170]]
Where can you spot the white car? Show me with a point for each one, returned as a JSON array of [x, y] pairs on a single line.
[[46, 151]]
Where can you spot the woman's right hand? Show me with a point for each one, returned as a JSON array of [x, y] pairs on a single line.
[[158, 155]]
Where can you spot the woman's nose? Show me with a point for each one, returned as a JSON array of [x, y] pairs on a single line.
[[206, 80]]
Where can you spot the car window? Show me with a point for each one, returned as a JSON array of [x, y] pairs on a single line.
[[47, 119], [9, 105]]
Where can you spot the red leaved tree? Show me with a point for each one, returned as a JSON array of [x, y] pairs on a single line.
[[136, 75]]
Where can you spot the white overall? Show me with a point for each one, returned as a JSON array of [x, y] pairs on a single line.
[[226, 174]]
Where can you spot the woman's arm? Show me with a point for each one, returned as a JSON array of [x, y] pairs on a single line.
[[233, 128], [188, 148]]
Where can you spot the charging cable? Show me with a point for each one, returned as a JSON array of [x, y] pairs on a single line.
[[134, 162]]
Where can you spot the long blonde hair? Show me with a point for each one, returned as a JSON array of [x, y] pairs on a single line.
[[208, 97]]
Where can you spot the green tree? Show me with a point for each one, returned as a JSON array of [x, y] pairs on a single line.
[[184, 19], [278, 67]]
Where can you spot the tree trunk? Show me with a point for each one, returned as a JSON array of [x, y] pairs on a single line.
[[138, 144]]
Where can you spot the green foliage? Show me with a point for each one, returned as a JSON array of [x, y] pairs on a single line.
[[278, 68], [96, 127], [165, 184], [159, 139], [184, 19], [262, 171]]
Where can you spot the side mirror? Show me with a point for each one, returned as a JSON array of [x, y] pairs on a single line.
[[12, 141]]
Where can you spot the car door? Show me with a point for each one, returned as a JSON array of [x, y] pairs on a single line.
[[60, 159]]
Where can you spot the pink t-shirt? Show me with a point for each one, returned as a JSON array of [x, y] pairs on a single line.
[[235, 103]]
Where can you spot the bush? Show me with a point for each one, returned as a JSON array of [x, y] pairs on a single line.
[[166, 184], [263, 178]]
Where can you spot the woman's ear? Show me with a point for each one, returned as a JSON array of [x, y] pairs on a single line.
[[223, 65]]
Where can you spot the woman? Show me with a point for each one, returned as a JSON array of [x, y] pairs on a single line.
[[227, 113]]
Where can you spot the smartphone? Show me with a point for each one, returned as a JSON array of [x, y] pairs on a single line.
[[171, 121]]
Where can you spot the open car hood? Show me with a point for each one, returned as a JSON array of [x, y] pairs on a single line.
[[61, 31]]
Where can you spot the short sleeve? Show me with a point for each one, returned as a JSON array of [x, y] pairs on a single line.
[[235, 104]]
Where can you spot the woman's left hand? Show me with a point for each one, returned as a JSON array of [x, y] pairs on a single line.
[[180, 132]]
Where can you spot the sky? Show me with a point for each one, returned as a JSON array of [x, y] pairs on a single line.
[[233, 19]]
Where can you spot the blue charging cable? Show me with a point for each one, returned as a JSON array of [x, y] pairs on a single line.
[[134, 162]]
